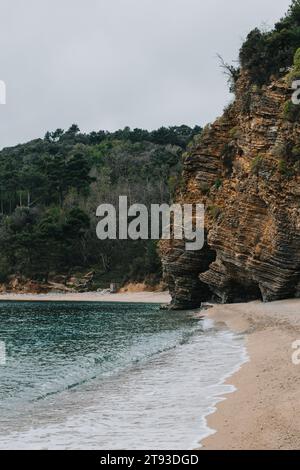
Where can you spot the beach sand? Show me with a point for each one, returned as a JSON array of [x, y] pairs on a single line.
[[128, 297], [264, 412]]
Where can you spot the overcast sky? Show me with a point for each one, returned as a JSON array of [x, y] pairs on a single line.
[[105, 64]]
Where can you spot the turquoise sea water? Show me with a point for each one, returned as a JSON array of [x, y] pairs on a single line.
[[110, 376]]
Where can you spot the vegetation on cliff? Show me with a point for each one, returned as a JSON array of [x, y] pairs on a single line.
[[270, 53]]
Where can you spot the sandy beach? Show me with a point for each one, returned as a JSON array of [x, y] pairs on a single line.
[[264, 412], [128, 297]]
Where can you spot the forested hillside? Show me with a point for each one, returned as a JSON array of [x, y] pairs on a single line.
[[50, 189]]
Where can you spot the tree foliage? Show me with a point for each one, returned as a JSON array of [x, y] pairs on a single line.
[[50, 189], [267, 53]]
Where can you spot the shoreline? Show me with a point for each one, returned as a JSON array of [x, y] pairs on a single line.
[[263, 413], [225, 381], [126, 297]]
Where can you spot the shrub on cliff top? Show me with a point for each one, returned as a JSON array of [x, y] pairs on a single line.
[[269, 53], [297, 59], [295, 72]]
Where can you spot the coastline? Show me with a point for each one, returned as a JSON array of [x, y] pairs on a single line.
[[261, 410], [126, 297], [264, 411]]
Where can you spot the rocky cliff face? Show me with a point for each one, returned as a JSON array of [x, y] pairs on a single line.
[[245, 169]]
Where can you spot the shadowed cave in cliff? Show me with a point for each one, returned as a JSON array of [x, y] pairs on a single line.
[[236, 292], [200, 276], [225, 283]]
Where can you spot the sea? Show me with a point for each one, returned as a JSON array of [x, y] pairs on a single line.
[[83, 375]]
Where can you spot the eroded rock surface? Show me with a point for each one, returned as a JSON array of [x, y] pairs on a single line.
[[245, 169]]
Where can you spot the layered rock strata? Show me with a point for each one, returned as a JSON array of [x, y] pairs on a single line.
[[245, 169]]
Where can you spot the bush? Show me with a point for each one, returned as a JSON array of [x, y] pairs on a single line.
[[204, 188], [271, 53], [215, 211], [286, 170], [291, 111], [296, 152], [282, 167], [295, 72], [297, 59], [256, 164], [235, 132], [218, 183]]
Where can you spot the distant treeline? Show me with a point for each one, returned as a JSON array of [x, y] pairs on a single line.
[[50, 189]]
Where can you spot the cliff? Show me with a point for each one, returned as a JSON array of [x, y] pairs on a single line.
[[245, 169]]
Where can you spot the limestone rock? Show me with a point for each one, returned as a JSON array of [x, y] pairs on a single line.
[[245, 169]]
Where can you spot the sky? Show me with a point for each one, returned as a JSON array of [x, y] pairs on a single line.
[[107, 64]]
